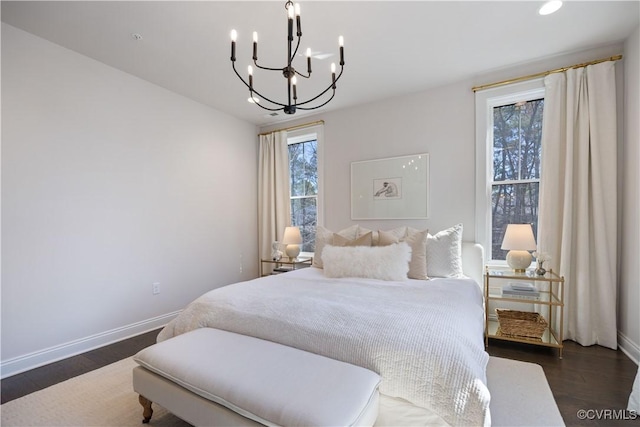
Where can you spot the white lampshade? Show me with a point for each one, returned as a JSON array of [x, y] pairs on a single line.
[[292, 238], [519, 240]]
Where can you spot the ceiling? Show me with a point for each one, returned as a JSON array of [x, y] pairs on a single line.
[[391, 47]]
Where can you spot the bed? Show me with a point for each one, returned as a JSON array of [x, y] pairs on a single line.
[[423, 337]]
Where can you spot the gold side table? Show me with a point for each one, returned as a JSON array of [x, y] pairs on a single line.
[[284, 265], [546, 298]]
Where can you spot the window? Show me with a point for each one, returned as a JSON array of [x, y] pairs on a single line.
[[517, 131], [509, 131], [304, 177]]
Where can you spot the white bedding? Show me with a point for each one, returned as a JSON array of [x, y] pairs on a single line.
[[424, 338]]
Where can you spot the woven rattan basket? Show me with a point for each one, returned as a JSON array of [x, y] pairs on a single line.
[[521, 323]]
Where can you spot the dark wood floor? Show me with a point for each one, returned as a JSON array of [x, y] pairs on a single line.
[[589, 378], [36, 379]]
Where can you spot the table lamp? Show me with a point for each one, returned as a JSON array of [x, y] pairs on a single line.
[[292, 238], [519, 240]]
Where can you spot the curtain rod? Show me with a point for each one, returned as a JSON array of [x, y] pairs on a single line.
[[544, 73], [319, 122]]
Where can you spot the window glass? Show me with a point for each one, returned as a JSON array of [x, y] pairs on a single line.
[[303, 172], [517, 132]]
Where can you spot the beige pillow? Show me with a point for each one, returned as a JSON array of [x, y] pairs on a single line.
[[391, 236], [418, 264], [364, 240], [399, 232], [324, 237], [417, 240]]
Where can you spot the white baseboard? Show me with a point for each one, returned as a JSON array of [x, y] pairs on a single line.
[[629, 347], [52, 354]]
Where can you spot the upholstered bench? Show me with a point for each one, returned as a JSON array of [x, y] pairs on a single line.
[[214, 377]]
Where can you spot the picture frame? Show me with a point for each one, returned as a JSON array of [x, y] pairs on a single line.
[[390, 188]]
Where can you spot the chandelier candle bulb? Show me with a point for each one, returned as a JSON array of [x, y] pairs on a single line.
[[290, 24], [309, 60], [298, 26], [294, 81], [250, 70], [255, 45], [333, 75], [234, 36], [341, 44]]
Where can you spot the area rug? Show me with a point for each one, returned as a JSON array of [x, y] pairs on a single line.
[[520, 395], [103, 397]]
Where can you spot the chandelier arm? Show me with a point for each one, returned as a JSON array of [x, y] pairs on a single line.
[[268, 100], [302, 75], [252, 91], [266, 68], [317, 106], [295, 51], [268, 108], [324, 91]]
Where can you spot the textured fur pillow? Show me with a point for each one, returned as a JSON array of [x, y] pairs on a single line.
[[372, 262]]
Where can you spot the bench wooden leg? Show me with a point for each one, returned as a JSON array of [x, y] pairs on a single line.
[[147, 411]]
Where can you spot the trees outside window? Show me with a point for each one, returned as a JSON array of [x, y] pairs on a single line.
[[303, 172], [517, 132]]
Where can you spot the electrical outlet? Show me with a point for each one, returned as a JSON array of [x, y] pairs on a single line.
[[155, 288]]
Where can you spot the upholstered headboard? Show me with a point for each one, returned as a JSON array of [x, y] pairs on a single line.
[[473, 261]]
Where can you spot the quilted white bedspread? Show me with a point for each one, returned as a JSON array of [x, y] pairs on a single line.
[[424, 338]]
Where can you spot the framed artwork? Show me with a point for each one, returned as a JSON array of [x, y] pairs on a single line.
[[391, 188]]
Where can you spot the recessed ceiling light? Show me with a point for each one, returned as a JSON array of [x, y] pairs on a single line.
[[549, 7]]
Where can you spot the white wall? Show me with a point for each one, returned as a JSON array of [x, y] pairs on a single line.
[[441, 122], [629, 283], [110, 184]]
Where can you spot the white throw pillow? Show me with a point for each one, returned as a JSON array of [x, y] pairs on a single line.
[[372, 262], [324, 236], [444, 253]]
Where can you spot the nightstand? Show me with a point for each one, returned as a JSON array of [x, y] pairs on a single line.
[[526, 301], [284, 265]]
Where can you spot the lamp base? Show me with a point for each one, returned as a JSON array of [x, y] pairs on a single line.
[[519, 260], [292, 251]]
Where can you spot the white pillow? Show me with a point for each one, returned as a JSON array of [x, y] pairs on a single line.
[[324, 236], [444, 253], [372, 262]]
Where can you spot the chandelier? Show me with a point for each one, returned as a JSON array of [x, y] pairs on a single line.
[[289, 73]]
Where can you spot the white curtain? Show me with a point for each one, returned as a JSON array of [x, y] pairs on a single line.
[[274, 209], [577, 218]]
